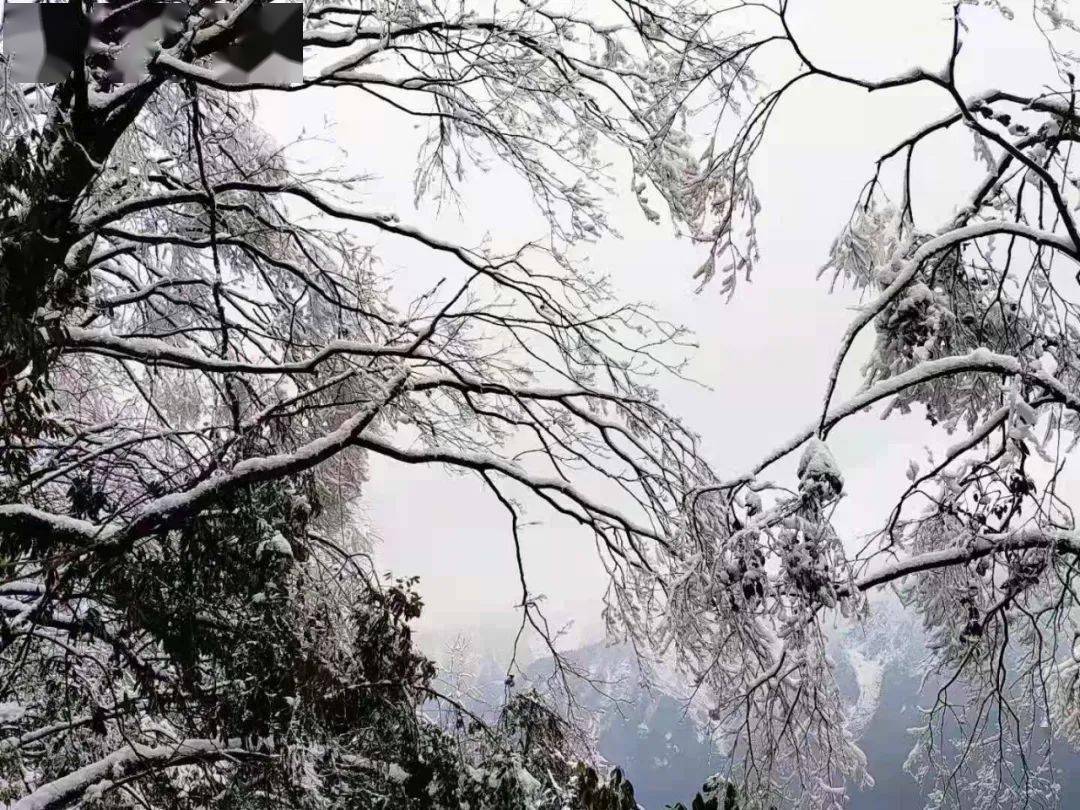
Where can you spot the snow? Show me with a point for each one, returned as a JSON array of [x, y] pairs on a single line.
[[277, 545], [11, 712], [528, 781], [1027, 537], [868, 677], [818, 465], [95, 792], [1024, 413], [753, 502], [156, 349], [261, 467], [1048, 363], [60, 792], [21, 516]]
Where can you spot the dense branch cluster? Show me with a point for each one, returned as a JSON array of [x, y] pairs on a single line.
[[200, 356]]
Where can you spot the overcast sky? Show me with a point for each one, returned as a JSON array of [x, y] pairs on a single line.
[[763, 357]]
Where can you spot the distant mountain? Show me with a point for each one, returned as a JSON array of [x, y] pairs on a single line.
[[648, 731], [659, 745], [875, 665]]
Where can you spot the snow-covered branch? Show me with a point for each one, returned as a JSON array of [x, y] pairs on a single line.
[[1028, 537], [132, 760]]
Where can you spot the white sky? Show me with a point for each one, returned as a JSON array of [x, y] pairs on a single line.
[[764, 356]]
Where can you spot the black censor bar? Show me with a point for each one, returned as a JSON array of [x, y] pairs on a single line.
[[44, 42]]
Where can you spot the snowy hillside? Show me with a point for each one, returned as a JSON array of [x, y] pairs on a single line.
[[650, 733]]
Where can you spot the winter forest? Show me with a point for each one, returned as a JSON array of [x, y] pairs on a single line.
[[543, 405]]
